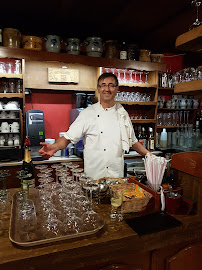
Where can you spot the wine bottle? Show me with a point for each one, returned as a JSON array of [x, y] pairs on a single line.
[[144, 137], [27, 166], [140, 139], [197, 121], [123, 51]]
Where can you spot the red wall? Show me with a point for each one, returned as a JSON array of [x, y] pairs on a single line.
[[56, 106]]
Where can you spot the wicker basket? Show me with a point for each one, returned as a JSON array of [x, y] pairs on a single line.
[[133, 204]]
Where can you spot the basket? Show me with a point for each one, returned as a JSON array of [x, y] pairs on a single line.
[[132, 204]]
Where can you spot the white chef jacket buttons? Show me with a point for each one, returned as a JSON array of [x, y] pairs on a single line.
[[104, 149], [98, 115], [101, 131]]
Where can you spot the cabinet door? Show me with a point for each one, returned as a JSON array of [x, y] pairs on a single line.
[[188, 258]]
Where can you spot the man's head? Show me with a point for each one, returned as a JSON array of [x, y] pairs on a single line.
[[107, 87]]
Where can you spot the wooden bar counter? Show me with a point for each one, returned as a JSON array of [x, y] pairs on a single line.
[[116, 244]]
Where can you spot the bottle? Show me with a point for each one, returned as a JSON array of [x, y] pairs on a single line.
[[28, 166], [140, 139], [150, 139], [1, 43], [197, 121], [163, 139], [144, 137], [123, 51]]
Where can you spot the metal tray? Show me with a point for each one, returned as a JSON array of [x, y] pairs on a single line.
[[15, 237]]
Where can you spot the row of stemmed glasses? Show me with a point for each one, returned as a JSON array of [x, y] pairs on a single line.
[[5, 200], [123, 79]]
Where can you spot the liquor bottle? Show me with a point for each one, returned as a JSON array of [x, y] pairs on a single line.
[[28, 166], [197, 121], [144, 137], [151, 139], [140, 139], [123, 51]]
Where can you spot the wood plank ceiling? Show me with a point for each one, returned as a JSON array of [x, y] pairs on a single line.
[[152, 25]]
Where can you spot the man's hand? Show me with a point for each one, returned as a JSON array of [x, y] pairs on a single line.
[[47, 150]]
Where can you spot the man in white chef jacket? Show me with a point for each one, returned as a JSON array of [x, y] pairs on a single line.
[[107, 133]]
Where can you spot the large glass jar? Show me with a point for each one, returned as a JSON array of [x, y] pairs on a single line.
[[144, 55], [111, 50], [11, 38]]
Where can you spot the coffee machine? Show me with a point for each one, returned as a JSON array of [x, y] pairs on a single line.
[[35, 130]]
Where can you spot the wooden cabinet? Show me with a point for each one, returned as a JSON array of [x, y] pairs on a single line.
[[12, 90]]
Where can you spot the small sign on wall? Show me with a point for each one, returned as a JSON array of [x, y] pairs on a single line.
[[63, 75]]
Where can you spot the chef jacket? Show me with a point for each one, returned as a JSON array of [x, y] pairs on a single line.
[[107, 134]]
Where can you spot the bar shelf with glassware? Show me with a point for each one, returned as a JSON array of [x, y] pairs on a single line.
[[13, 95], [181, 126], [144, 121], [11, 76], [188, 86], [137, 103], [145, 85]]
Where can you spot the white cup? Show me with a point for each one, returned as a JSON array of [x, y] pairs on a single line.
[[14, 126], [3, 115], [11, 115], [2, 140], [10, 141], [5, 127]]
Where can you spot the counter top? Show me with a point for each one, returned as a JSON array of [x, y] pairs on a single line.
[[50, 160], [66, 159], [112, 241]]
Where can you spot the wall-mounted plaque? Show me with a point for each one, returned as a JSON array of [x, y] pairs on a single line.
[[63, 75]]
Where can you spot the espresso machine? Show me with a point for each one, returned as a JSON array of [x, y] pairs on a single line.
[[35, 130]]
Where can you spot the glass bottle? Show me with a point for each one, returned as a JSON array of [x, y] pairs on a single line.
[[151, 139], [140, 139], [18, 67], [123, 51], [27, 166], [144, 137]]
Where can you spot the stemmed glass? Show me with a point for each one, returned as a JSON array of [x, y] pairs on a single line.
[[116, 197], [119, 75], [113, 70], [197, 22], [135, 80], [140, 79], [3, 175], [124, 80], [131, 76], [146, 77]]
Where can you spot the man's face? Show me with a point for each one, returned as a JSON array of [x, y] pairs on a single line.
[[107, 89]]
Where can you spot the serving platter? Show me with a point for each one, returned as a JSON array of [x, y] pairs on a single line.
[[37, 237]]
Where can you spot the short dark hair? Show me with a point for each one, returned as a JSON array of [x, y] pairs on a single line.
[[107, 75]]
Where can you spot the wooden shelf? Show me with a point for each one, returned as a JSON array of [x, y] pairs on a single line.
[[191, 40], [192, 86], [170, 127], [137, 103], [11, 76], [169, 109], [145, 85], [166, 88], [11, 95], [144, 121], [31, 55]]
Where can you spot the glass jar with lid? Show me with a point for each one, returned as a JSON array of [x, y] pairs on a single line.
[[111, 50]]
